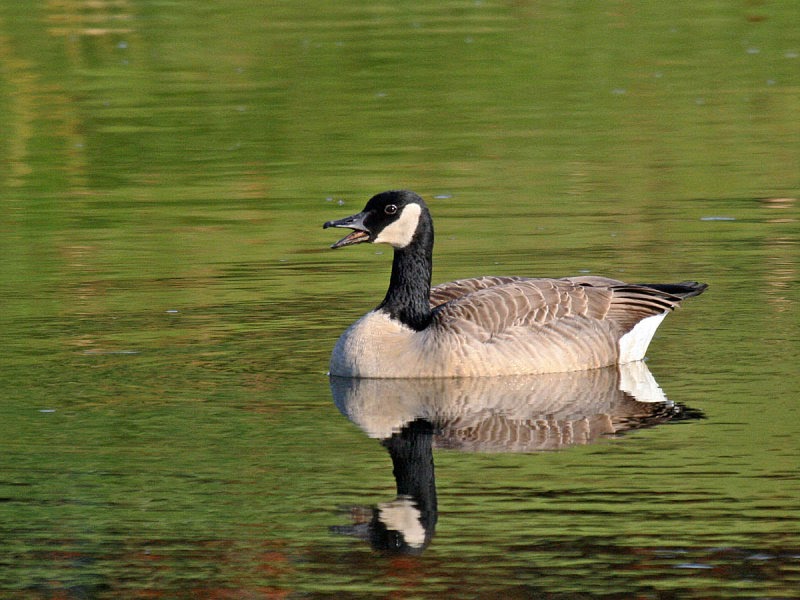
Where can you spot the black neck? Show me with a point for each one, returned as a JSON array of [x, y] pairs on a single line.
[[408, 296]]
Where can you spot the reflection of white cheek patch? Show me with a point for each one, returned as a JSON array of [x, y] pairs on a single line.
[[402, 515], [400, 233]]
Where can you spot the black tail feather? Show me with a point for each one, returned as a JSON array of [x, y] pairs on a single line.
[[684, 289]]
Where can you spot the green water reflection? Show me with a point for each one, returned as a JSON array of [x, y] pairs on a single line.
[[168, 303]]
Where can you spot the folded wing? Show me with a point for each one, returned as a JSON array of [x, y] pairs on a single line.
[[495, 305]]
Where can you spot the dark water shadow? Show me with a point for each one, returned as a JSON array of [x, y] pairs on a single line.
[[521, 414]]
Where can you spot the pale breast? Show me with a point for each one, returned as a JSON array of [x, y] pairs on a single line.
[[378, 346]]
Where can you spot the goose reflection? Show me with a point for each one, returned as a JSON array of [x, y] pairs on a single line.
[[486, 414]]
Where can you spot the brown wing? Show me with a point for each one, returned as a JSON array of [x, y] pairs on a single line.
[[496, 304], [444, 292]]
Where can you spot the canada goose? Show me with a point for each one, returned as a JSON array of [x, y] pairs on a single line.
[[487, 325]]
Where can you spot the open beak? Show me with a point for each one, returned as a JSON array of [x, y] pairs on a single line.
[[356, 223]]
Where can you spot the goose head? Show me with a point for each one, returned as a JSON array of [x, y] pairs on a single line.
[[395, 218]]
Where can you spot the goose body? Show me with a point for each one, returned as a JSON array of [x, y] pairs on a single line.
[[487, 326]]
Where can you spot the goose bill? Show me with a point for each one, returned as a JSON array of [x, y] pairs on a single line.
[[356, 237], [354, 222]]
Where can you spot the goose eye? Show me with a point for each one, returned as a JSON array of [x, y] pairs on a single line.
[[390, 209]]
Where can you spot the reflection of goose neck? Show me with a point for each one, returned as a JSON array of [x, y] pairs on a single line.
[[412, 458]]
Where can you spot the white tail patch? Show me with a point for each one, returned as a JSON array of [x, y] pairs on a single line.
[[400, 233], [633, 344]]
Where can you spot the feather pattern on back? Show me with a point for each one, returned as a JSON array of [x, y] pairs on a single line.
[[498, 303]]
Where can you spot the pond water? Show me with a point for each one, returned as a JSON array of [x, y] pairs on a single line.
[[169, 301]]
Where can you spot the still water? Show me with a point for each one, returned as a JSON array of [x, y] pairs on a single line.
[[169, 301]]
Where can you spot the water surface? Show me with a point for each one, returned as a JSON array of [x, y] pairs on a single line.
[[169, 302]]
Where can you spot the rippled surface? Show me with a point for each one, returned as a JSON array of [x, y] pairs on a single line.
[[169, 302]]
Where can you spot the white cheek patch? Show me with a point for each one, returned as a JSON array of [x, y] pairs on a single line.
[[400, 233]]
